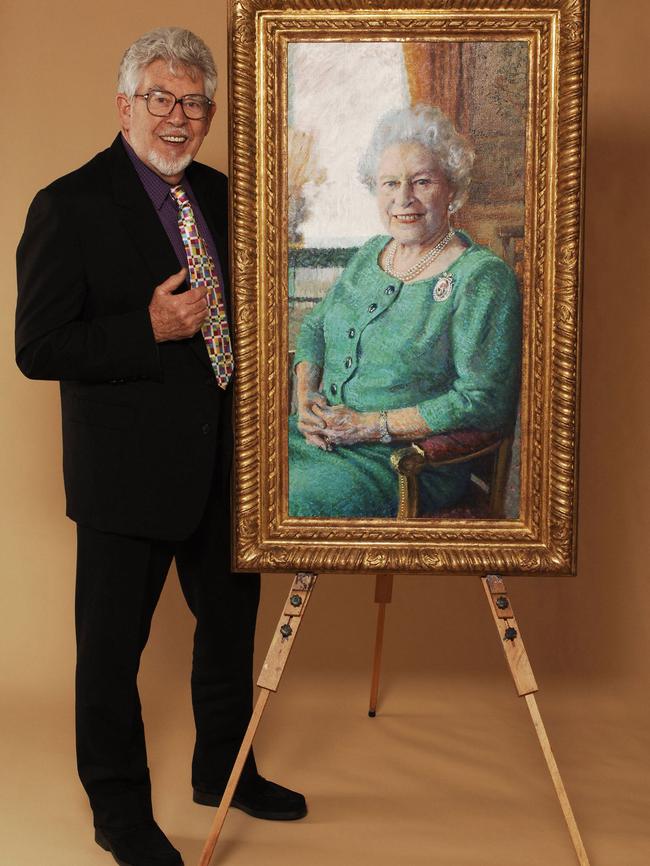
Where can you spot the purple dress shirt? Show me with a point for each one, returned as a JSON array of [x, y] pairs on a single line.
[[158, 191]]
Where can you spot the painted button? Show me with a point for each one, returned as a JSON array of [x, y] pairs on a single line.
[[372, 308], [389, 290], [348, 363], [333, 389], [351, 333]]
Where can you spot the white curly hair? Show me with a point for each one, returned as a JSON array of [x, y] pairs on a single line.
[[180, 48], [429, 126]]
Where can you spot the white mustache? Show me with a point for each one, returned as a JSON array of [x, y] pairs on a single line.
[[176, 130]]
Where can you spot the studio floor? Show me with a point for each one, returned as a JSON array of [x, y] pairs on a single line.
[[450, 773]]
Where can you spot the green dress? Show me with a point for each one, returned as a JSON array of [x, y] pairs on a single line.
[[450, 347]]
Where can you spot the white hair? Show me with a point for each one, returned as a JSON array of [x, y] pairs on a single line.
[[181, 49], [428, 126]]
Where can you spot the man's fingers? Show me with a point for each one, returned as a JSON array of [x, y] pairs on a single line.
[[196, 298], [173, 282], [177, 317]]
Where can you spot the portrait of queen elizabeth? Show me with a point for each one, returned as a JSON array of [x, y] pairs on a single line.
[[420, 335]]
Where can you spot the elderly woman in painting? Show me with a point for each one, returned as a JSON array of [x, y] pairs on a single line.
[[420, 334]]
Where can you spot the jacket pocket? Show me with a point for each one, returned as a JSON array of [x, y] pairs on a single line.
[[114, 416]]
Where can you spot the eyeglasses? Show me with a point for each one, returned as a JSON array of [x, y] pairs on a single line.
[[161, 103]]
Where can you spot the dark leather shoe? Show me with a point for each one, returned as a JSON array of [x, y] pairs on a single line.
[[261, 799], [141, 845]]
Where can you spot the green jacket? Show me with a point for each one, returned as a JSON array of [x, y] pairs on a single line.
[[385, 344]]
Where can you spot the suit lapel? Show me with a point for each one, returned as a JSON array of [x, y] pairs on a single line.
[[145, 229], [139, 217]]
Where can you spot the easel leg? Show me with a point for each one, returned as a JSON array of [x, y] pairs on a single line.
[[557, 781], [269, 679], [383, 596], [522, 673]]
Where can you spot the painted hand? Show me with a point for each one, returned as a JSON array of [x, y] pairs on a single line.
[[344, 426], [310, 424]]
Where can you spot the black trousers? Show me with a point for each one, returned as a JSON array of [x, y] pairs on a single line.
[[119, 581]]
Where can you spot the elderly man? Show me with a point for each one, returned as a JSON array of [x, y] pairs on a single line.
[[122, 276]]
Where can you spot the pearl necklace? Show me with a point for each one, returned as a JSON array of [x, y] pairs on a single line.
[[421, 263]]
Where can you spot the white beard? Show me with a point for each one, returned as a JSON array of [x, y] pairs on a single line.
[[168, 167]]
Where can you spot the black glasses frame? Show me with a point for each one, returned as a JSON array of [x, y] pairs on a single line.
[[177, 99]]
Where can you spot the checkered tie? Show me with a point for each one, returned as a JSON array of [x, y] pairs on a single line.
[[203, 275]]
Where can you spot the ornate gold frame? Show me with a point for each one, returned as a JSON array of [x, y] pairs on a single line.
[[543, 539]]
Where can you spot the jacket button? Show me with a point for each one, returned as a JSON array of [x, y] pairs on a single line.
[[351, 333], [348, 363], [372, 308], [389, 290], [205, 429], [333, 389]]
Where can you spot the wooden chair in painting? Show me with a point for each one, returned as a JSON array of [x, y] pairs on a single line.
[[488, 452]]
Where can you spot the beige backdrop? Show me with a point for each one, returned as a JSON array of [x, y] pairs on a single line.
[[449, 773]]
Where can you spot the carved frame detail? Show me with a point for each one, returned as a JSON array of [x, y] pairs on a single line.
[[543, 539]]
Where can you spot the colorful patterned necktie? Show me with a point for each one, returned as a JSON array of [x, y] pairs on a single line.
[[203, 275]]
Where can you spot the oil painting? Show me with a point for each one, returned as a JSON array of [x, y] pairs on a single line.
[[406, 284], [407, 221]]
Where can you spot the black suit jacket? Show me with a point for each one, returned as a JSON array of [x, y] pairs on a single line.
[[140, 420]]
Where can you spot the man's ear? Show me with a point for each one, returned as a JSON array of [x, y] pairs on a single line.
[[124, 110]]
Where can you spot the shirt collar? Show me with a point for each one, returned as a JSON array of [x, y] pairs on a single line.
[[156, 187]]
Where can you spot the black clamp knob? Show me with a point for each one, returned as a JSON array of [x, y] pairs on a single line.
[[511, 633], [295, 600], [502, 602], [286, 630]]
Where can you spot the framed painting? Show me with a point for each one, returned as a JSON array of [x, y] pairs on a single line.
[[406, 231]]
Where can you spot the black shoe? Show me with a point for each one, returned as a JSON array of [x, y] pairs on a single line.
[[261, 799], [142, 845]]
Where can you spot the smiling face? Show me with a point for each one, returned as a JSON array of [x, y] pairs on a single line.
[[166, 144], [413, 194]]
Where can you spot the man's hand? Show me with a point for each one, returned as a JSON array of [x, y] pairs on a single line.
[[177, 317]]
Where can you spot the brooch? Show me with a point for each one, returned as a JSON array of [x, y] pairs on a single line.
[[443, 287]]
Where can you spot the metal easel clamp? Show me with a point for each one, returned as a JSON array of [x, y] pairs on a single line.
[[286, 631], [513, 645]]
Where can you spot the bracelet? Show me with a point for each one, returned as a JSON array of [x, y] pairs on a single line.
[[384, 433]]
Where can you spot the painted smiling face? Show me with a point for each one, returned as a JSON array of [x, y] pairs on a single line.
[[166, 144], [413, 194]]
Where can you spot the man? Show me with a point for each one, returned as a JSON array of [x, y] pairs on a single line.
[[122, 272]]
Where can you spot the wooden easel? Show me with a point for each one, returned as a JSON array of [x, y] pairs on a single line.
[[520, 668], [282, 642], [268, 681]]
